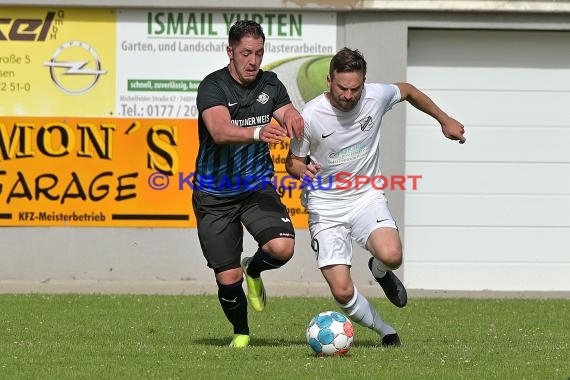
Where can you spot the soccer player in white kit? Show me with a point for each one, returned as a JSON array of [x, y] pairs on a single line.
[[343, 186]]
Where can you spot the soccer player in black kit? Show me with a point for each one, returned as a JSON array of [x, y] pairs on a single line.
[[232, 184]]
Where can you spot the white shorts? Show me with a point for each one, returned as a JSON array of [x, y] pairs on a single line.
[[332, 230]]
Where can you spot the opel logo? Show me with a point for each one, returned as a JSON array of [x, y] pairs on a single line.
[[75, 67]]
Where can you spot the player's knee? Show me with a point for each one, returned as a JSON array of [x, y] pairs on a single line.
[[228, 275], [343, 294], [392, 258], [280, 248]]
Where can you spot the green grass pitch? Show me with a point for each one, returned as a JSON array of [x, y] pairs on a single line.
[[186, 337]]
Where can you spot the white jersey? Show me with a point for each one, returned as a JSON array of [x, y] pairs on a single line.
[[345, 144]]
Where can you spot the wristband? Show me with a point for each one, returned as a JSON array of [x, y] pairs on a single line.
[[256, 133]]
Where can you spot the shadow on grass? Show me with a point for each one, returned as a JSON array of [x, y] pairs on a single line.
[[263, 342], [368, 343]]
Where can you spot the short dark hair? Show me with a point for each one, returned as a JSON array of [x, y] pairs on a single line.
[[346, 61], [244, 28]]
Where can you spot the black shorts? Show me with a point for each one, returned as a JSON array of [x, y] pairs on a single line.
[[221, 221]]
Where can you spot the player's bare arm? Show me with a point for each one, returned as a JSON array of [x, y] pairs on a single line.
[[451, 128], [297, 168], [218, 122], [291, 120]]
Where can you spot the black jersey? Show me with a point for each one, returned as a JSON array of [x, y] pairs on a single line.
[[234, 169]]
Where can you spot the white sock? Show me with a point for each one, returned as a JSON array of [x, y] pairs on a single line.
[[379, 269], [360, 311]]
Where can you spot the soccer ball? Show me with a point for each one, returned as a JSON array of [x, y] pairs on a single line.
[[330, 333]]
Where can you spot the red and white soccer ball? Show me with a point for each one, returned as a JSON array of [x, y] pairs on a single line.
[[330, 333]]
